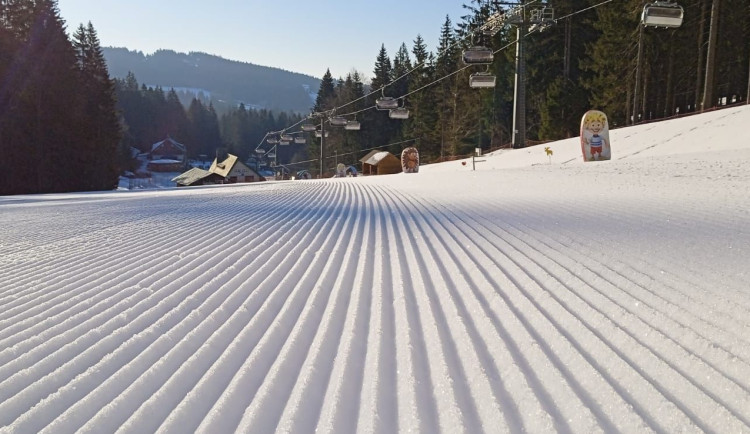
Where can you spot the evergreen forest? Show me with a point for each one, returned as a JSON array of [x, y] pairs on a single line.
[[593, 55], [58, 125], [66, 125]]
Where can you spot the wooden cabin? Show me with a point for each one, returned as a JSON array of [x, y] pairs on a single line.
[[380, 163]]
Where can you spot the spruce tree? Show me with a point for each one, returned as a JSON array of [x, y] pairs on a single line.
[[446, 92], [101, 124], [380, 129], [326, 93], [423, 117]]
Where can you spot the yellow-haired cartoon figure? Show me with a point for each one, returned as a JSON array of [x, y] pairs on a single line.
[[595, 136]]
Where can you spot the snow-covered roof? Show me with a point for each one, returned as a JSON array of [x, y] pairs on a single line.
[[225, 166], [165, 161], [191, 176], [375, 157], [170, 141]]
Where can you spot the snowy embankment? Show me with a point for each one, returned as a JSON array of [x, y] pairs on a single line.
[[610, 296]]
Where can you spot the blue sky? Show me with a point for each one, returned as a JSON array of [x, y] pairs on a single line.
[[299, 36]]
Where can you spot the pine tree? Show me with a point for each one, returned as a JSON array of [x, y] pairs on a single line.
[[446, 92], [423, 117], [175, 118], [326, 93], [611, 59], [101, 124], [557, 99]]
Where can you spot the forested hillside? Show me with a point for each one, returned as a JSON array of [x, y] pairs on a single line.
[[587, 57], [228, 82], [57, 98], [149, 114]]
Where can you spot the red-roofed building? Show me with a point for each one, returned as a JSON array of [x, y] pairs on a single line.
[[168, 149]]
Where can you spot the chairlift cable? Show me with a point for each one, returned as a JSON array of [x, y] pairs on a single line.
[[439, 79], [458, 41], [582, 10]]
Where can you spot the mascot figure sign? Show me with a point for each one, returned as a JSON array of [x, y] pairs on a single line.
[[595, 136], [410, 160]]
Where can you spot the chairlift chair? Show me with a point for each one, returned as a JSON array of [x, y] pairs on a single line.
[[287, 137], [386, 103], [352, 126], [260, 151], [318, 133], [662, 14], [478, 55], [482, 80], [272, 140], [308, 128], [338, 121], [399, 113], [542, 15], [285, 142], [300, 140]]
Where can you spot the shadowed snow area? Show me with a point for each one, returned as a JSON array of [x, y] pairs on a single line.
[[528, 295]]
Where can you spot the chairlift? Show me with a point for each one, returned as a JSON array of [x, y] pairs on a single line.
[[338, 121], [542, 15], [271, 155], [318, 133], [260, 151], [308, 128], [482, 80], [272, 140], [386, 103], [478, 55], [300, 140], [399, 113], [352, 126], [285, 142], [662, 14], [287, 137]]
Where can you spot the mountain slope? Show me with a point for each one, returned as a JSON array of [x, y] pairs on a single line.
[[522, 297], [229, 81]]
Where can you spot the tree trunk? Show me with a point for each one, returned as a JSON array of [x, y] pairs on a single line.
[[669, 102], [646, 78], [568, 38], [639, 65], [701, 57], [708, 87]]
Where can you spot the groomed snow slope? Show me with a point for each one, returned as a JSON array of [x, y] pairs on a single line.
[[569, 297]]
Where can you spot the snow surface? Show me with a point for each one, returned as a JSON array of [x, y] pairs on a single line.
[[523, 296]]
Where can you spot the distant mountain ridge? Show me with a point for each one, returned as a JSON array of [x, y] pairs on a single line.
[[228, 82]]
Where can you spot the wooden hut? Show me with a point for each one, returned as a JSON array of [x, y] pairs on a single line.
[[380, 163]]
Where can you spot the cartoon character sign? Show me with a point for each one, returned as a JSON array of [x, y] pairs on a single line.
[[595, 136], [410, 160]]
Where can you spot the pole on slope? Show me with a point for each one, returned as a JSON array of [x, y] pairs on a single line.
[[322, 137]]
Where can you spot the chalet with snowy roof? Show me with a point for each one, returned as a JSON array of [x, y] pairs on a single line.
[[380, 163], [225, 169], [168, 149]]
